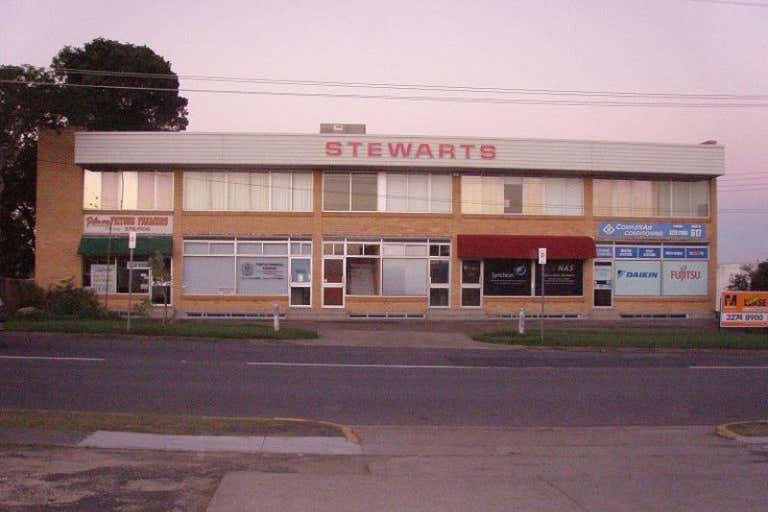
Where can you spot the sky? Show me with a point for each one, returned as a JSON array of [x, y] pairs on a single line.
[[679, 46]]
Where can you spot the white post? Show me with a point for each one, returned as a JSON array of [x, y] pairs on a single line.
[[521, 321], [542, 264], [131, 247], [276, 318]]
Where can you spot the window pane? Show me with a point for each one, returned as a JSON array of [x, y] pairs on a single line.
[[405, 277], [363, 276], [195, 247], [507, 277], [164, 185], [146, 190], [470, 271], [445, 250], [259, 190], [438, 271], [415, 250], [471, 194], [418, 193], [197, 191], [441, 193], [333, 296], [209, 275], [300, 272], [218, 184], [91, 189], [642, 198], [622, 198], [333, 271], [574, 196], [700, 193], [300, 296], [262, 276], [470, 296], [302, 191], [602, 193], [561, 278], [397, 191], [394, 250], [513, 195], [223, 248], [239, 191], [364, 192], [336, 191], [664, 198], [681, 199], [533, 196], [281, 191], [278, 248], [438, 297], [129, 192], [249, 248], [110, 190], [554, 193], [493, 194]]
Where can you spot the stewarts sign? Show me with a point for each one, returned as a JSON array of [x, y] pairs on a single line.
[[117, 224], [408, 150]]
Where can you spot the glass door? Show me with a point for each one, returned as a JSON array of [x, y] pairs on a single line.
[[603, 284]]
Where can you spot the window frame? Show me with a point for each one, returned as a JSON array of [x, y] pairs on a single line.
[[668, 187], [270, 191], [157, 175]]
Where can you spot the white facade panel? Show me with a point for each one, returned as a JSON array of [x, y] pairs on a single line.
[[384, 151]]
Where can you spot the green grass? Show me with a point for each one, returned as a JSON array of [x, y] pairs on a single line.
[[750, 428], [144, 327], [79, 421], [617, 338]]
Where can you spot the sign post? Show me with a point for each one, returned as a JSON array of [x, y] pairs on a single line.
[[542, 263], [131, 247]]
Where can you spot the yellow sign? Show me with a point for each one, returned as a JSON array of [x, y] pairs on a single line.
[[744, 309]]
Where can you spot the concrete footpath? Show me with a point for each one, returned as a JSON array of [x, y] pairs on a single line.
[[560, 469]]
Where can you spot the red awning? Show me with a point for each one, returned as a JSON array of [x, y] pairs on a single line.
[[526, 247]]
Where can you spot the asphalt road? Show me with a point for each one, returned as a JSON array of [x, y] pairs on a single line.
[[380, 386]]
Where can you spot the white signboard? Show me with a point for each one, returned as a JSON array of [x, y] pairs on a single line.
[[100, 273], [131, 239], [122, 224], [638, 278], [542, 255], [685, 277]]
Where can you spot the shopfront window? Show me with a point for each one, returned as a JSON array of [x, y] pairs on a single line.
[[248, 191], [647, 198], [408, 192], [499, 194], [127, 190]]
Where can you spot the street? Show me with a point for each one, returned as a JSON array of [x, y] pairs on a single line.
[[384, 386]]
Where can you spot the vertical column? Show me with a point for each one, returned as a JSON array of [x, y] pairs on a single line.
[[177, 258], [454, 231], [317, 241]]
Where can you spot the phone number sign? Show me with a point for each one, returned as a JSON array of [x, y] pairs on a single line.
[[744, 309], [652, 230]]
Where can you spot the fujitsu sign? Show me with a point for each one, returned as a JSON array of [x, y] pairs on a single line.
[[409, 150]]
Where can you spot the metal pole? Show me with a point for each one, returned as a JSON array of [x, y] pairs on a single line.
[[130, 289], [109, 255], [276, 318], [541, 315]]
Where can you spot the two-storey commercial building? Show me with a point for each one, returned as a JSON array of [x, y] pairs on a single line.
[[353, 225]]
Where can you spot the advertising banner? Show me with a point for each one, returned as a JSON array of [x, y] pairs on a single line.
[[744, 309], [101, 274], [121, 224], [638, 278], [605, 251], [561, 278], [685, 278], [507, 277], [652, 230]]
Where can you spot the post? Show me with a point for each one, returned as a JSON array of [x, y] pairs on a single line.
[[131, 247], [542, 264], [276, 318], [521, 321]]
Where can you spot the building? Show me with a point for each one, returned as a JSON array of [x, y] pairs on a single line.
[[340, 225]]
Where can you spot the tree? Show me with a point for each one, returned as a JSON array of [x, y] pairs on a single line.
[[161, 276], [26, 108], [751, 278]]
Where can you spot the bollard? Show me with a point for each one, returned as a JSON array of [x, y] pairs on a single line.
[[276, 318], [521, 321]]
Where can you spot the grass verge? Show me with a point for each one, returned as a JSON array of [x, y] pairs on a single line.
[[711, 339], [145, 327], [160, 424], [749, 428]]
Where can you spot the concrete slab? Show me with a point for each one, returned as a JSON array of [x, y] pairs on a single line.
[[240, 444], [242, 491]]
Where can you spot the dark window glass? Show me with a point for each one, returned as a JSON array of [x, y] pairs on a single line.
[[336, 191], [300, 296], [470, 296], [507, 277], [333, 296], [438, 271], [438, 297], [470, 271], [561, 277], [364, 192]]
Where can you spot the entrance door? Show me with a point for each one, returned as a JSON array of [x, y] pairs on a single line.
[[603, 284], [159, 289]]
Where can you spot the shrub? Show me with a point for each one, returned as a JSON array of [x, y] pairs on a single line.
[[66, 300]]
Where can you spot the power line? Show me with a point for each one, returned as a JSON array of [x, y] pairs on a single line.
[[733, 2], [440, 99], [419, 87]]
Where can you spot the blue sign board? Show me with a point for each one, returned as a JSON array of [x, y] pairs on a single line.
[[604, 251], [674, 252], [653, 253], [697, 253], [652, 230], [626, 252]]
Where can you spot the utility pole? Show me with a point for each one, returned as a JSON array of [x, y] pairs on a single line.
[[542, 264], [131, 247]]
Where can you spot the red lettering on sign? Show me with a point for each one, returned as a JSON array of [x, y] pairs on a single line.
[[374, 149], [467, 150], [333, 149], [355, 146], [487, 152], [424, 150], [399, 150], [447, 151]]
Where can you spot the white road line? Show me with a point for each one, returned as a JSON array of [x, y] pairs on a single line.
[[52, 358], [362, 365], [728, 367]]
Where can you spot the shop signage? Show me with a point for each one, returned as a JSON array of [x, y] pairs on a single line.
[[101, 274], [408, 150], [638, 278], [604, 251], [744, 309], [685, 277], [652, 230], [263, 270], [562, 278], [117, 224], [506, 277]]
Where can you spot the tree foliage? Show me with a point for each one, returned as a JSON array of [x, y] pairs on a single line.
[[751, 278], [26, 108]]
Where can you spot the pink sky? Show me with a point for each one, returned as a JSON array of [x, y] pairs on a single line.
[[648, 46]]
